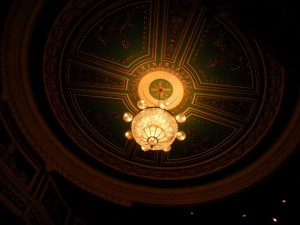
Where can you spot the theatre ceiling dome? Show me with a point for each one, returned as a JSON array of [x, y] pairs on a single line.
[[71, 70]]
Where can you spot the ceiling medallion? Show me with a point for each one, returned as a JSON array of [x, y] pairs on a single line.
[[161, 88], [161, 85]]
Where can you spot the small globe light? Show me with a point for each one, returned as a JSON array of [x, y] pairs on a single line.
[[167, 148], [180, 118], [144, 148], [128, 134], [141, 104], [164, 104], [181, 136], [127, 117]]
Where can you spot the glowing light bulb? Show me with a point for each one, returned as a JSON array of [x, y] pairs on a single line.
[[141, 104], [164, 104], [144, 148], [181, 136], [167, 148], [180, 118], [127, 117], [128, 134]]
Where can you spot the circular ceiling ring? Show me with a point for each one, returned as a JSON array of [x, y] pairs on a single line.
[[150, 85]]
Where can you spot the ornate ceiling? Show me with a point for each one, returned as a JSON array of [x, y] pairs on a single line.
[[105, 57], [69, 75]]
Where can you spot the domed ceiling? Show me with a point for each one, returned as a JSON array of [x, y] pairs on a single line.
[[98, 59], [107, 56]]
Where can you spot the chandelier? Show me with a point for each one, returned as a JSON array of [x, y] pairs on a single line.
[[154, 128]]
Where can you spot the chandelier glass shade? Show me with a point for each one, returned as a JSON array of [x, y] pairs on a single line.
[[154, 128]]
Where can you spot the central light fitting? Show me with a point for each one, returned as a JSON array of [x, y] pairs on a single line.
[[154, 128]]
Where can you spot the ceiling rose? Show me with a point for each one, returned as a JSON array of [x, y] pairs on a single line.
[[161, 85]]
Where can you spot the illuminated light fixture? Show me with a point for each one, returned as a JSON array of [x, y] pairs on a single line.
[[154, 128]]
